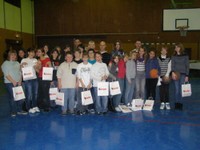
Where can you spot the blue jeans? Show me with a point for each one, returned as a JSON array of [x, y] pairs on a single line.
[[31, 88], [69, 99], [118, 98], [101, 102], [140, 82], [15, 106], [178, 83], [129, 91]]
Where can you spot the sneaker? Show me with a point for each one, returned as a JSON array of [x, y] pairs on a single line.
[[79, 113], [32, 111], [91, 111], [98, 113], [13, 114], [22, 112], [36, 109], [63, 113], [168, 106], [162, 106], [117, 109], [71, 112]]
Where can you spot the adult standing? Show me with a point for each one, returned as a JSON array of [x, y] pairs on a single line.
[[180, 72], [12, 78]]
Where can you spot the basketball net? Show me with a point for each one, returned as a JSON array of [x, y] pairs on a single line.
[[183, 30]]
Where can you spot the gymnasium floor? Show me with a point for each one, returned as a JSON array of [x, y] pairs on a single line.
[[141, 130]]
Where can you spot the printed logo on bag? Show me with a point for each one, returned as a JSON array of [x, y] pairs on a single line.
[[52, 94], [186, 90], [18, 93], [59, 99], [103, 89], [147, 105], [114, 88], [139, 105], [88, 97], [27, 74], [47, 74]]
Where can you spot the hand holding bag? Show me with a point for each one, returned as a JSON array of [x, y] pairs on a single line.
[[102, 89], [53, 93], [115, 88], [47, 73], [18, 93], [60, 99], [27, 73], [186, 89], [86, 97]]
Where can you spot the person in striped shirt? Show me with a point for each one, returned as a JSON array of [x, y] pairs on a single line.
[[140, 74], [165, 69]]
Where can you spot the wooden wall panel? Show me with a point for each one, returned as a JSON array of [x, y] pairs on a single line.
[[28, 41], [143, 18], [103, 16]]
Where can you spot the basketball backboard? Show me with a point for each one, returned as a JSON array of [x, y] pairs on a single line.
[[174, 18]]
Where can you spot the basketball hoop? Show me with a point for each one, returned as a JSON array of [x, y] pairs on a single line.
[[183, 30]]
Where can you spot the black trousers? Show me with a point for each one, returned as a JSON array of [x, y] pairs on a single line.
[[164, 92], [151, 88], [43, 94]]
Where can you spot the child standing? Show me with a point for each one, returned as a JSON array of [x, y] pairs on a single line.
[[152, 73], [85, 83], [130, 77], [165, 69], [31, 85], [99, 73], [66, 75], [140, 75], [43, 88]]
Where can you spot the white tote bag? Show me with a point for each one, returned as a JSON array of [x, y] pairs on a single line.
[[18, 93], [53, 93], [102, 89], [137, 104], [115, 88], [60, 99], [86, 97], [186, 90], [47, 73], [148, 105], [27, 73]]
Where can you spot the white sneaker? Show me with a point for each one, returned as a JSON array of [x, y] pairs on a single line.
[[162, 105], [36, 109], [117, 109], [168, 106], [31, 111]]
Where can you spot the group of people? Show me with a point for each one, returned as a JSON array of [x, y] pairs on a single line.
[[82, 68]]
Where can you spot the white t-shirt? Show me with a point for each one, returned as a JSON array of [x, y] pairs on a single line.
[[98, 70], [83, 72], [31, 62]]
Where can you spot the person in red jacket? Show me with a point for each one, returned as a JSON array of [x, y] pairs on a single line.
[[117, 71]]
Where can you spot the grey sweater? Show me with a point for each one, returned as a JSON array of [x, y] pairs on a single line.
[[180, 63], [130, 69]]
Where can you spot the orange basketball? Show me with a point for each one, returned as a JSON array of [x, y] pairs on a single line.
[[154, 73], [177, 75]]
